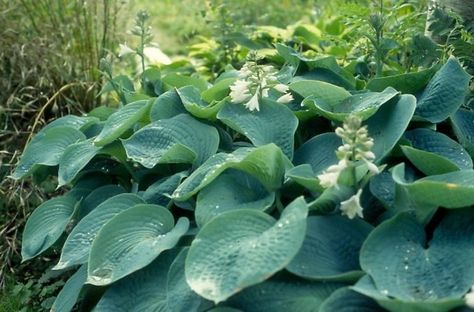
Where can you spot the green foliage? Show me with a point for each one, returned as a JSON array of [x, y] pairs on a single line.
[[317, 187], [48, 68]]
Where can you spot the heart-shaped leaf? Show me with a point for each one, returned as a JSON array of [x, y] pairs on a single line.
[[46, 224], [191, 98], [410, 83], [121, 121], [346, 300], [78, 244], [75, 157], [449, 190], [445, 92], [363, 105], [387, 126], [283, 295], [274, 123], [167, 105], [71, 121], [367, 287], [98, 195], [331, 249], [67, 297], [178, 139], [131, 240], [144, 290], [330, 198], [266, 163], [159, 193], [177, 81], [405, 264], [464, 129], [304, 176], [46, 149], [382, 186], [230, 191], [179, 296], [243, 247], [435, 153], [218, 91], [312, 153], [319, 91]]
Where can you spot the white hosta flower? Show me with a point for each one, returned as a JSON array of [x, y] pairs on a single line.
[[329, 177], [245, 71], [154, 55], [352, 207], [253, 103], [125, 50], [285, 98], [372, 167], [239, 91], [282, 88], [469, 298]]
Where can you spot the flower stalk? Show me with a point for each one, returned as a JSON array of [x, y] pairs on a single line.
[[354, 152]]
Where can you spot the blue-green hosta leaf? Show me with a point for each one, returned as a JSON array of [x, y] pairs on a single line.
[[75, 157], [78, 244], [330, 198], [330, 249], [242, 248], [102, 112], [320, 91], [283, 295], [71, 121], [346, 300], [191, 98], [382, 186], [327, 69], [404, 264], [98, 195], [363, 105], [387, 126], [367, 287], [218, 91], [266, 163], [166, 106], [231, 190], [46, 149], [319, 152], [409, 83], [87, 183], [159, 193], [144, 290], [304, 176], [178, 139], [69, 294], [131, 240], [46, 224], [121, 121], [449, 190], [177, 81], [435, 153], [445, 92], [464, 128], [274, 123], [179, 296]]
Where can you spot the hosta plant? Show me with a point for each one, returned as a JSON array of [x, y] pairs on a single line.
[[286, 186]]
